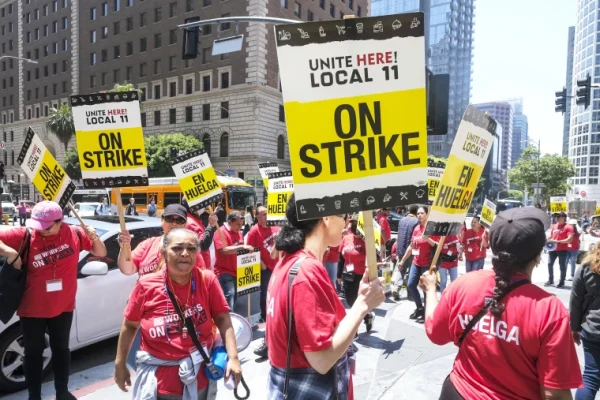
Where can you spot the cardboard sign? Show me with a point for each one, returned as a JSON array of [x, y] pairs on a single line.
[[110, 140], [354, 96], [488, 213], [197, 179], [265, 169], [468, 156], [248, 271], [360, 229], [45, 173], [435, 171], [281, 187], [386, 274], [558, 204]]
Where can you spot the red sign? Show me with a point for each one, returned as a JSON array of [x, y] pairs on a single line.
[[582, 193]]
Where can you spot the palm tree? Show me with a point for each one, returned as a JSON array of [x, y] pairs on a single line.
[[61, 124]]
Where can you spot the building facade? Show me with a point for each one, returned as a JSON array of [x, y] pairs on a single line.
[[449, 41], [520, 131], [231, 102], [570, 91]]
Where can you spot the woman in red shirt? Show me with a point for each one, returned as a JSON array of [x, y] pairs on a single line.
[[514, 338], [573, 247], [450, 255], [474, 241], [420, 249], [169, 360], [321, 331]]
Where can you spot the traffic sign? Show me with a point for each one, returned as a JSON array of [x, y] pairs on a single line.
[[230, 172]]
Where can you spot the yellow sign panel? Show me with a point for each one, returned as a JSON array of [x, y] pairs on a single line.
[[248, 272], [558, 204], [197, 178], [360, 228], [488, 213], [281, 188], [117, 150]]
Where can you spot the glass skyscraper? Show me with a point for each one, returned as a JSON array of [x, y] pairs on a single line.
[[449, 41]]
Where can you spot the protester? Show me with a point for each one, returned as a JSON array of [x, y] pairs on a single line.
[[330, 261], [573, 248], [525, 349], [22, 208], [151, 208], [585, 321], [130, 210], [49, 298], [321, 331], [226, 255], [221, 213], [352, 266], [562, 234], [450, 255], [420, 249], [165, 368], [104, 208], [406, 227], [205, 233], [475, 243], [248, 219], [386, 231]]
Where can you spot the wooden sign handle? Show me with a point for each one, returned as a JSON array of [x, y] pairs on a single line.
[[438, 250], [126, 248], [370, 244], [76, 214], [249, 307]]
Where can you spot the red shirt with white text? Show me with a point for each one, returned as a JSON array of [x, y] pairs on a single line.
[[353, 250], [561, 232], [263, 237], [227, 264], [421, 248], [472, 244]]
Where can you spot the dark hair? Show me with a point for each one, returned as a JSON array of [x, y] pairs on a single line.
[[234, 216], [477, 217], [249, 209], [505, 266], [424, 208], [292, 235], [413, 209]]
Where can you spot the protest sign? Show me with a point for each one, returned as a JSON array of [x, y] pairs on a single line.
[[558, 204], [488, 213], [434, 175], [468, 156], [197, 179], [265, 169], [386, 274], [360, 229], [248, 271], [110, 141], [361, 81], [45, 173], [281, 188]]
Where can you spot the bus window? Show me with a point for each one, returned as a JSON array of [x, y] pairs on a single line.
[[240, 198], [125, 198], [172, 198], [140, 199]]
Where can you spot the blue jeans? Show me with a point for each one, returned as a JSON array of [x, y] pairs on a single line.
[[413, 283], [475, 265], [562, 263], [444, 272], [135, 347], [227, 283], [591, 372], [331, 268], [572, 259]]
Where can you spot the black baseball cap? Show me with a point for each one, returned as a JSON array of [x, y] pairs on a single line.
[[561, 214], [176, 210], [520, 232]]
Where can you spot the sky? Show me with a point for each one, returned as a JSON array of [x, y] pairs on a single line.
[[521, 51]]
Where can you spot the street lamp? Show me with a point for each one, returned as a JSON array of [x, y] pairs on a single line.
[[20, 58]]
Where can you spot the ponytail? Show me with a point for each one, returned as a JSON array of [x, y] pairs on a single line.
[[292, 235], [505, 266]]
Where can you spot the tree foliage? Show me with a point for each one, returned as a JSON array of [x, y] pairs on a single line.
[[60, 122], [158, 151], [554, 170], [515, 194], [72, 167], [125, 87]]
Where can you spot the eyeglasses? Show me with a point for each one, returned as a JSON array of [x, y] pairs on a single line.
[[48, 229], [174, 220]]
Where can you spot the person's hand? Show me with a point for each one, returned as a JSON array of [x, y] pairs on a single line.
[[90, 232], [249, 248], [577, 338], [428, 281], [213, 220], [339, 281], [124, 238], [460, 257], [122, 377], [371, 294], [263, 266], [234, 367]]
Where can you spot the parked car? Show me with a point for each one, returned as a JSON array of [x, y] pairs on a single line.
[[85, 209], [28, 205], [100, 300], [8, 208]]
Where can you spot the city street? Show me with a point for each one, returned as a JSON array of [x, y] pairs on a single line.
[[396, 361]]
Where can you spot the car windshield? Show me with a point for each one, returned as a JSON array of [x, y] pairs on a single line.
[[241, 198], [87, 207]]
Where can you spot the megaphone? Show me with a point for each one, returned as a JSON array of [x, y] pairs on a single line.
[[550, 246]]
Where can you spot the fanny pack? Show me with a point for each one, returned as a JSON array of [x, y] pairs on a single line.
[[448, 258], [348, 276]]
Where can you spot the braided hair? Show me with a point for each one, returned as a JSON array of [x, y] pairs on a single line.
[[505, 266]]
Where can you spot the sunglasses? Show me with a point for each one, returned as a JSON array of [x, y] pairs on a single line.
[[56, 221], [174, 220]]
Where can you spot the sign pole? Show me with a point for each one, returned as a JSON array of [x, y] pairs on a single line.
[[75, 212], [126, 247], [438, 250], [370, 245]]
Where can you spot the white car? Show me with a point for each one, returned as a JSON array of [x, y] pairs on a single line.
[[85, 209], [100, 300]]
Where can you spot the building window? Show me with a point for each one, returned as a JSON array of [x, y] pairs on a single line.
[[281, 113], [225, 26], [143, 21], [309, 16], [157, 14], [224, 80], [92, 81], [284, 3], [143, 45], [143, 118], [172, 89], [206, 83], [224, 109], [116, 28], [129, 74], [104, 32], [156, 92], [64, 87], [92, 36], [298, 10], [129, 24], [332, 10], [116, 52], [172, 10], [104, 55], [351, 4], [206, 3], [173, 36], [117, 5], [104, 9], [322, 4], [172, 116], [129, 3], [189, 5], [143, 69], [189, 86], [157, 118], [93, 59], [172, 63], [143, 96], [206, 143], [103, 79], [205, 55], [205, 112], [129, 49], [224, 145], [93, 13], [358, 11], [189, 114], [157, 40], [280, 147], [206, 30], [156, 67], [116, 76]]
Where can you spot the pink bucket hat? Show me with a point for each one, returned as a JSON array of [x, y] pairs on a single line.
[[44, 214]]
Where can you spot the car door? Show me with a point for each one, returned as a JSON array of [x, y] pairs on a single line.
[[101, 300]]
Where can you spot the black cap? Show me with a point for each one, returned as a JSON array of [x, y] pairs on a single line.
[[561, 214], [176, 210], [520, 232]]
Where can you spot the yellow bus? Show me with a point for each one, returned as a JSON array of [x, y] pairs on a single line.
[[237, 194]]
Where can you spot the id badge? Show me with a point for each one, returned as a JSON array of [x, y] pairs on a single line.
[[449, 253], [196, 356], [350, 267], [470, 250], [570, 245], [415, 252], [54, 285]]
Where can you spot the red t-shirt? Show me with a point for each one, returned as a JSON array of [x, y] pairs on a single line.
[[561, 232], [421, 249], [531, 345], [263, 237], [47, 254], [227, 264], [333, 255], [195, 225], [354, 253], [394, 250], [472, 244], [450, 248], [386, 231], [161, 325], [146, 256], [574, 245]]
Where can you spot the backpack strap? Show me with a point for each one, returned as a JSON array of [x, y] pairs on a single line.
[[24, 249], [77, 233]]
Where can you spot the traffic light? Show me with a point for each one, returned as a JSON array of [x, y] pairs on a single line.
[[1, 170], [438, 89], [584, 91], [191, 38], [561, 101]]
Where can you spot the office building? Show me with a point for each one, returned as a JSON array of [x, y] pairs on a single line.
[[449, 41], [570, 90], [232, 102], [520, 131]]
